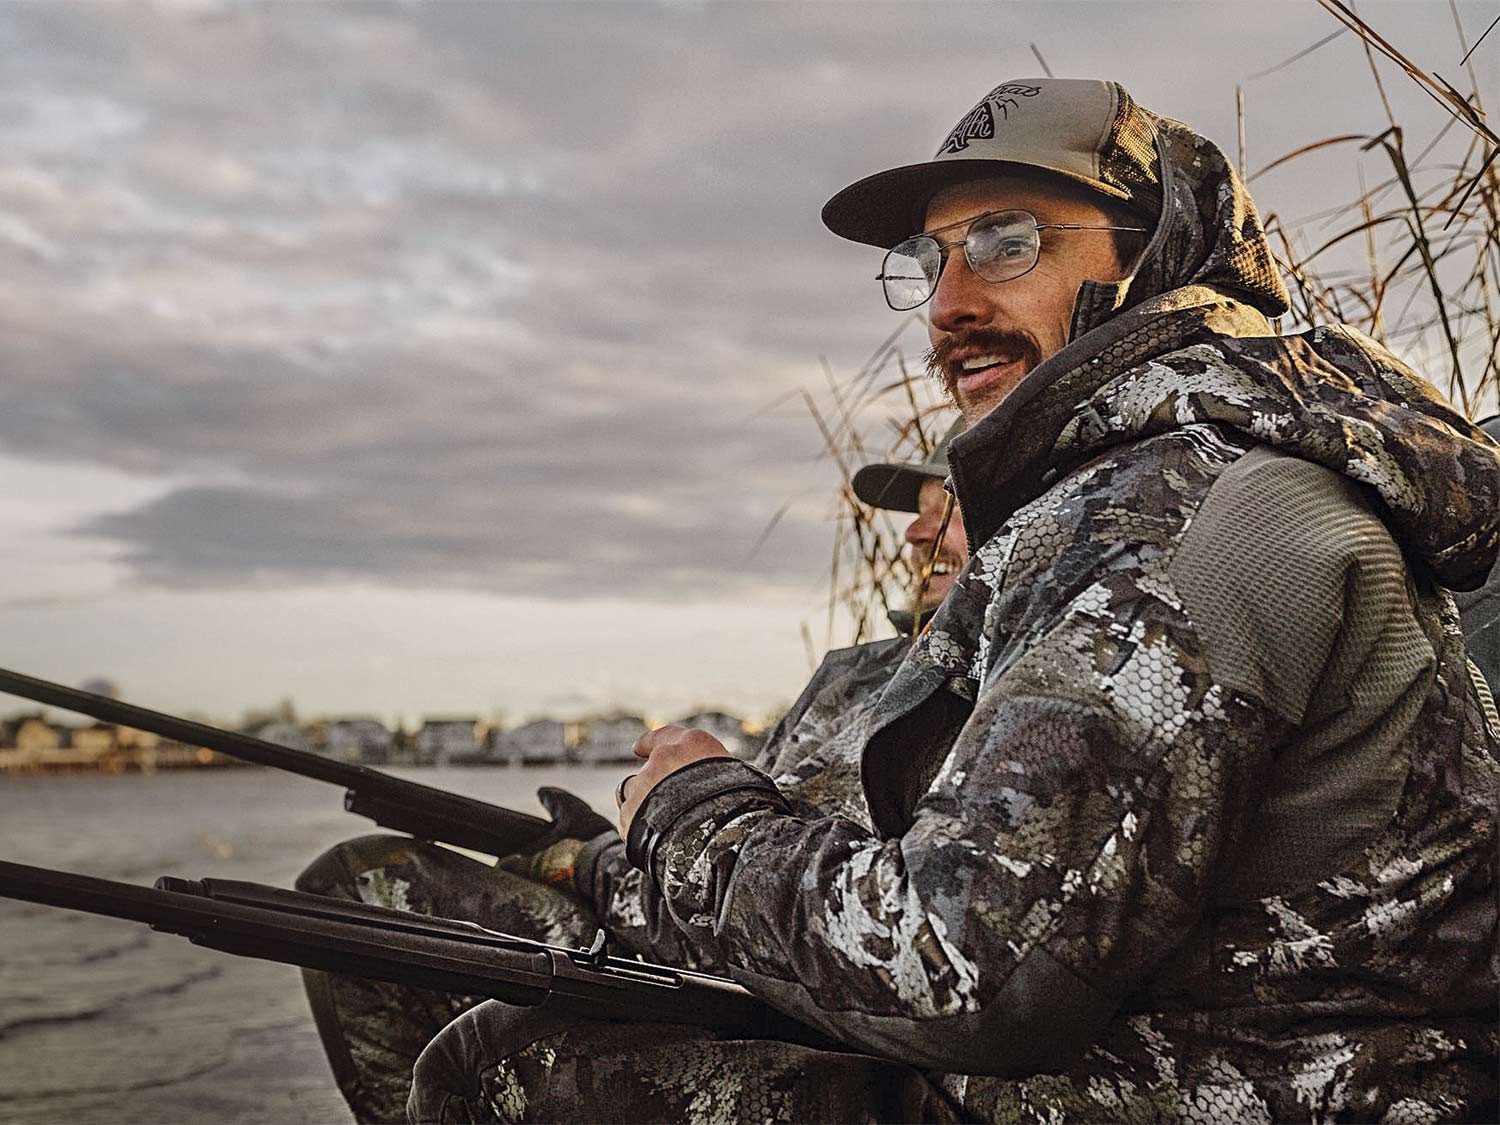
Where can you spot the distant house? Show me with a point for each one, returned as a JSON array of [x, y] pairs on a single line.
[[539, 741], [442, 740], [137, 740], [35, 735], [28, 743], [32, 743], [726, 728], [98, 741], [281, 732], [610, 738], [357, 740]]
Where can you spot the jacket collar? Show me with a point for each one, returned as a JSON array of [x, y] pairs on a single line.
[[1010, 456]]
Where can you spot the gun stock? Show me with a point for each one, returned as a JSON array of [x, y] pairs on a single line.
[[392, 802]]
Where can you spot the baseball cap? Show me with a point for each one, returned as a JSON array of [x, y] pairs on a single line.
[[896, 487], [1086, 130]]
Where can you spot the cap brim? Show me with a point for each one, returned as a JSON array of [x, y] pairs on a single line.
[[882, 209], [896, 488]]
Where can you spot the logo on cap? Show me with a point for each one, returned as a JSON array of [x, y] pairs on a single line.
[[979, 123]]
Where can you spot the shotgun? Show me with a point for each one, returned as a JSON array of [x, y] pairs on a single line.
[[392, 802], [357, 939]]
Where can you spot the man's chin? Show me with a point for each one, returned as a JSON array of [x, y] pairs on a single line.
[[937, 590], [977, 396]]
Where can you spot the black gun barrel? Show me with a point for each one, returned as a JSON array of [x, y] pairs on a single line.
[[355, 939], [407, 806], [446, 965]]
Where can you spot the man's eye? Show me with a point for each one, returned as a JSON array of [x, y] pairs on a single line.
[[1000, 247]]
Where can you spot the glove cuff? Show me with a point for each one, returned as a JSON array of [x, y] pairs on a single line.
[[588, 862]]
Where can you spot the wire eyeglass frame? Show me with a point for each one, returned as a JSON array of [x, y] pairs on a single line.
[[926, 241]]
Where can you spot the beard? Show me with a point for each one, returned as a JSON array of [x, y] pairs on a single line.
[[942, 365]]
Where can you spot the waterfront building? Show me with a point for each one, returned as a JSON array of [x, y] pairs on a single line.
[[33, 734], [541, 741], [357, 739], [449, 740], [31, 744], [727, 728], [281, 732], [609, 738]]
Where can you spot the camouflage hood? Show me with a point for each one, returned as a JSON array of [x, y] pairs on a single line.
[[1185, 340], [1205, 231]]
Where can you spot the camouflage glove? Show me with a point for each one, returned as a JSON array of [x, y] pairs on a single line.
[[555, 862]]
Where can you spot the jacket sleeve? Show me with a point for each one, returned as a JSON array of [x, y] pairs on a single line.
[[632, 915], [1065, 847], [630, 910]]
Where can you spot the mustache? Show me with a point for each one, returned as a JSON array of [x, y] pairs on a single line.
[[919, 553], [1000, 341]]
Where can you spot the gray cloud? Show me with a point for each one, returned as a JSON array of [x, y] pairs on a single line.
[[406, 309], [480, 294], [417, 473]]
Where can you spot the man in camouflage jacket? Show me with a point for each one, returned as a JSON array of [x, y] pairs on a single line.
[[1183, 806], [372, 1031]]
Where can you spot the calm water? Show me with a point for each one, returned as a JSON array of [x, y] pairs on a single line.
[[105, 1021]]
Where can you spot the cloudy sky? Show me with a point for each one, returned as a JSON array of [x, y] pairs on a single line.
[[443, 356]]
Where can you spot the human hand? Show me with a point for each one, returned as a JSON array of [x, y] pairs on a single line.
[[574, 824], [665, 750], [553, 866]]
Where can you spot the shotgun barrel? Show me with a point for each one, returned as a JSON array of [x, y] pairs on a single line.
[[392, 802], [357, 939]]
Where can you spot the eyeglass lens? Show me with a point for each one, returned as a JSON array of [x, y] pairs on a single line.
[[998, 247]]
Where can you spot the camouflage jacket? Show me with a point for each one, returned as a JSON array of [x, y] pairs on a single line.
[[1184, 804], [812, 755], [1481, 611]]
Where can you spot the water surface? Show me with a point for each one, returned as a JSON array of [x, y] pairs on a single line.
[[106, 1021]]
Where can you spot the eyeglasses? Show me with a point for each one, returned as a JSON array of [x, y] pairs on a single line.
[[999, 246]]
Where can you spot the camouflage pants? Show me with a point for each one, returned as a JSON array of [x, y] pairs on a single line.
[[373, 1031], [495, 1062]]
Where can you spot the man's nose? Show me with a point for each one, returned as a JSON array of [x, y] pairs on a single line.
[[962, 299], [920, 531]]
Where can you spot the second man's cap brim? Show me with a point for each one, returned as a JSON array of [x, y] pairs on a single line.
[[896, 488]]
